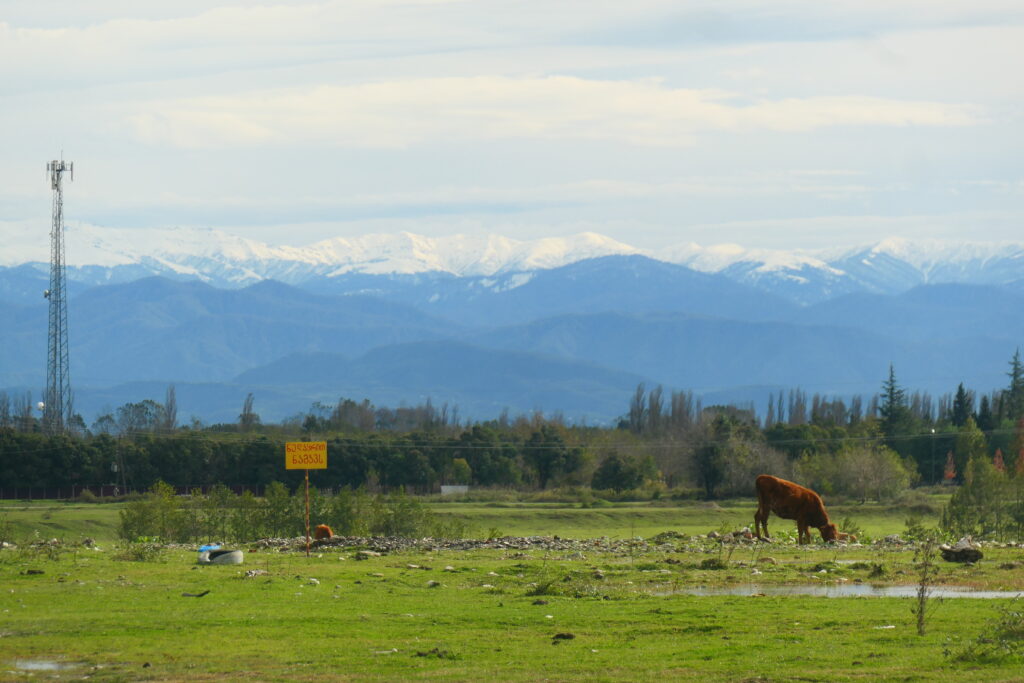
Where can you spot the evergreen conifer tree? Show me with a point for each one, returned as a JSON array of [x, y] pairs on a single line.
[[963, 406], [1014, 398], [984, 418], [896, 416]]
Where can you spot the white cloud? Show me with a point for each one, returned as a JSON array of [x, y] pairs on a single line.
[[397, 114], [842, 231], [530, 114]]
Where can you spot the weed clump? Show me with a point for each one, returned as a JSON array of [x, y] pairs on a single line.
[[878, 571], [570, 585], [437, 653], [667, 537], [714, 563], [1002, 638], [147, 550]]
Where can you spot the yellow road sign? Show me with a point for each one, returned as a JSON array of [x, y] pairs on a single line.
[[305, 455]]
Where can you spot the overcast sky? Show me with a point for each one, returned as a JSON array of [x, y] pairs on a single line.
[[768, 124]]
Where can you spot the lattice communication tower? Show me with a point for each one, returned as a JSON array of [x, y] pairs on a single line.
[[57, 403]]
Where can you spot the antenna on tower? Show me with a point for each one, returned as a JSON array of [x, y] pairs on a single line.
[[57, 404]]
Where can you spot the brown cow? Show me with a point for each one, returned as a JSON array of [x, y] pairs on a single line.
[[322, 532], [791, 501]]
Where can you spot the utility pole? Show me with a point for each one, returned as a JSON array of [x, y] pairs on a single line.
[[57, 403]]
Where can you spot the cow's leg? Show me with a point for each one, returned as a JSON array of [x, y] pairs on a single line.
[[802, 532], [761, 521]]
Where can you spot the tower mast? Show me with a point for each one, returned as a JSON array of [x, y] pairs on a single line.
[[57, 403]]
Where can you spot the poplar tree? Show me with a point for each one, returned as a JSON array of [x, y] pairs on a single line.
[[170, 416]]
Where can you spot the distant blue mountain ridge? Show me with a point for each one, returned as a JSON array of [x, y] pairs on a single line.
[[576, 339]]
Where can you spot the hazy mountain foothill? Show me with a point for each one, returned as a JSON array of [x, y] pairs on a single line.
[[477, 330]]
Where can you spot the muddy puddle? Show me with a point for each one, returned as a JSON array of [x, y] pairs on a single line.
[[847, 590]]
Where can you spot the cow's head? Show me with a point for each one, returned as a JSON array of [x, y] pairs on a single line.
[[829, 532]]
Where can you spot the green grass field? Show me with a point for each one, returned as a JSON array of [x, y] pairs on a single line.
[[51, 519], [568, 520], [506, 615], [626, 520]]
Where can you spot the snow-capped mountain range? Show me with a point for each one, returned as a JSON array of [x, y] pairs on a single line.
[[96, 255], [486, 322]]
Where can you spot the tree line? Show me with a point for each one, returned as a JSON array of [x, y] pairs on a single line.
[[870, 448]]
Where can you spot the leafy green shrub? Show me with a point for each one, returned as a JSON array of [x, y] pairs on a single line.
[[347, 512], [243, 519], [621, 473], [987, 505], [861, 472], [155, 514], [450, 528], [915, 530], [283, 514], [399, 515]]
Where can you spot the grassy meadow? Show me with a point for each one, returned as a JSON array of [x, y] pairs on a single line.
[[71, 520], [143, 612]]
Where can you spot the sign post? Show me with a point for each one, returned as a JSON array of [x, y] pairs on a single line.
[[306, 455]]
